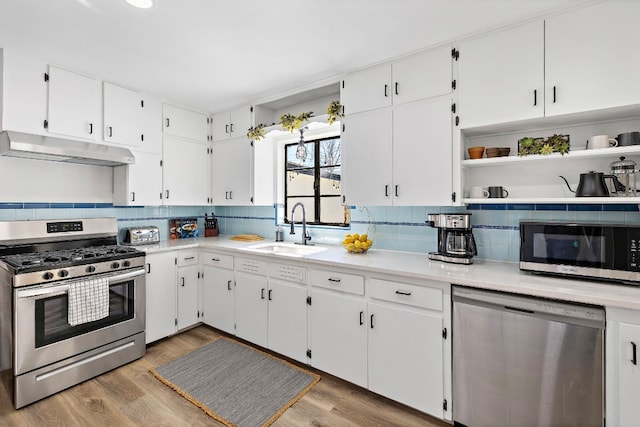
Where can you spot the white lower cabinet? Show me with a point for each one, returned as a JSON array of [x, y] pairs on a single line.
[[339, 335], [160, 289], [405, 357], [218, 291], [251, 300], [187, 289], [622, 368], [287, 319]]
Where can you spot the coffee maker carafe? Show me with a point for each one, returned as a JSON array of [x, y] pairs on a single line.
[[456, 243]]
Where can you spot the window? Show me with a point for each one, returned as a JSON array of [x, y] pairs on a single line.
[[315, 182]]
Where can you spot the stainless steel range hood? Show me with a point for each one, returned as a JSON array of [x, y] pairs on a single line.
[[28, 146]]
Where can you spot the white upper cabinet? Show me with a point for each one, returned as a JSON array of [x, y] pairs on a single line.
[[123, 115], [73, 104], [409, 79], [592, 58], [231, 174], [185, 123], [501, 76], [232, 124], [185, 172], [138, 184]]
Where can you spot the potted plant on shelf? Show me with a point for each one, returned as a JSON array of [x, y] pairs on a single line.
[[546, 145]]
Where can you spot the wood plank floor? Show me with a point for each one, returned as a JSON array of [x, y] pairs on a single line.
[[131, 396]]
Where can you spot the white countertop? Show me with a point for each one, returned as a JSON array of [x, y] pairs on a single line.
[[499, 276]]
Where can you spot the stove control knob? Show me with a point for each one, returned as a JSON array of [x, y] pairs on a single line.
[[90, 269], [115, 265], [63, 273], [47, 276], [126, 263]]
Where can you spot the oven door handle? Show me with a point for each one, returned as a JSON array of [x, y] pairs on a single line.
[[63, 288]]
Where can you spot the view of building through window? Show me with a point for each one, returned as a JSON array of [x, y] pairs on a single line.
[[315, 181]]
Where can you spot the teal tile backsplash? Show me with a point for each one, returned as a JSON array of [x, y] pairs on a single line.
[[394, 228]]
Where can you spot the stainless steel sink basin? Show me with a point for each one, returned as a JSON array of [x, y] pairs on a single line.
[[286, 249]]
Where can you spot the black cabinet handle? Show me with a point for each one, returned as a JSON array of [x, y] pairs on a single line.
[[361, 318], [386, 191], [167, 194], [231, 127], [167, 122], [226, 128], [228, 285], [215, 259], [148, 268], [189, 257], [396, 89], [90, 128], [110, 132], [371, 321], [385, 91], [634, 356], [535, 97], [403, 293], [554, 94], [230, 195], [133, 196], [331, 279], [183, 282], [262, 293], [396, 191], [269, 294]]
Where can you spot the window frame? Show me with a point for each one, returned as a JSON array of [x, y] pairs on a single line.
[[317, 196]]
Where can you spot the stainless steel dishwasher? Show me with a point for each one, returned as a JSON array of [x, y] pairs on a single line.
[[523, 361]]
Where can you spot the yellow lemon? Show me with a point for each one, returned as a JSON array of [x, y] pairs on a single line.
[[363, 237]]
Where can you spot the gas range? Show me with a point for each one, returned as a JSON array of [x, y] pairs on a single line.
[[41, 267]]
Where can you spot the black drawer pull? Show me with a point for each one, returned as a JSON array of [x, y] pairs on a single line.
[[331, 279], [215, 259], [403, 293], [189, 257], [634, 356]]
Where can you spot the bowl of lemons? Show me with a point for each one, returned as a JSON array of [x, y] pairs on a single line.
[[357, 243]]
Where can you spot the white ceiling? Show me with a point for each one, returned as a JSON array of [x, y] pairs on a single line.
[[217, 54]]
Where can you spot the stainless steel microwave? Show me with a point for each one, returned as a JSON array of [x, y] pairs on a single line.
[[596, 251]]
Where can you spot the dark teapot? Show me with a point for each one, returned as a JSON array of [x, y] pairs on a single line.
[[592, 184]]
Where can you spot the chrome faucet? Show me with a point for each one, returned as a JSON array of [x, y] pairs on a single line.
[[305, 234]]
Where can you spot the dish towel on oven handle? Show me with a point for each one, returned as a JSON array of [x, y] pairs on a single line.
[[88, 301]]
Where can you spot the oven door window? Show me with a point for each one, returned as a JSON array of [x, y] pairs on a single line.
[[51, 315]]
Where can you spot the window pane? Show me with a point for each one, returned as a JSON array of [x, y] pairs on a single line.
[[309, 207], [331, 210], [300, 182], [294, 163], [330, 180], [330, 152]]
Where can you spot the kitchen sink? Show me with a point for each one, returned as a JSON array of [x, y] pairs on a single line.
[[286, 249]]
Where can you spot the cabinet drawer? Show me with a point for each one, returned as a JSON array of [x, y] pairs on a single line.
[[217, 260], [290, 273], [405, 293], [344, 282], [252, 266], [187, 258]]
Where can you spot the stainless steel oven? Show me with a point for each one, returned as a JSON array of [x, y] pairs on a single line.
[[49, 272]]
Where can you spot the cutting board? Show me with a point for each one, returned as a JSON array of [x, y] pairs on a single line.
[[247, 237]]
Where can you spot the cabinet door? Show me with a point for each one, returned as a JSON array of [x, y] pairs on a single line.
[[139, 184], [628, 374], [339, 335], [218, 298], [422, 160], [592, 58], [184, 123], [73, 104], [366, 143], [367, 89], [231, 172], [251, 308], [160, 290], [185, 172], [151, 132], [122, 115], [240, 122], [287, 322], [221, 126], [405, 357], [188, 279], [422, 76], [501, 76]]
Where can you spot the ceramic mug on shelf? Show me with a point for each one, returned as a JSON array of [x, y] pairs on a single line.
[[498, 192], [628, 138], [601, 141], [478, 193]]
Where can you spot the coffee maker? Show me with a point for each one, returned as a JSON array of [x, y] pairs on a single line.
[[455, 238]]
